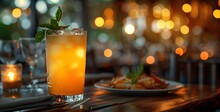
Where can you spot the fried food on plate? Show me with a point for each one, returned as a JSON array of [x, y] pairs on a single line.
[[144, 81]]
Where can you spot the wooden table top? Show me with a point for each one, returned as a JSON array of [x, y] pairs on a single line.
[[105, 101], [149, 103]]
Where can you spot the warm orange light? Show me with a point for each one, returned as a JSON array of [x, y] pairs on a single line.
[[157, 11], [216, 13], [166, 34], [154, 27], [169, 24], [186, 8], [134, 13], [11, 76], [108, 53], [80, 52], [204, 55], [150, 60], [108, 13], [184, 29], [165, 14], [179, 51], [218, 2], [16, 12], [179, 41], [161, 24], [195, 10], [99, 21], [129, 29], [109, 23]]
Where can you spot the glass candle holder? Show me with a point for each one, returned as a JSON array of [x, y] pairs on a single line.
[[11, 76]]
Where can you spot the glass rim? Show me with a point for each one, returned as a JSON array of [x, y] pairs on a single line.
[[74, 31], [10, 41], [11, 65], [27, 38]]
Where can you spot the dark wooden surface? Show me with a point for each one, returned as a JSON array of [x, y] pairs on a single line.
[[151, 103], [104, 101]]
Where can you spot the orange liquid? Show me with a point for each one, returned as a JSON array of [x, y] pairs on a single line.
[[66, 59]]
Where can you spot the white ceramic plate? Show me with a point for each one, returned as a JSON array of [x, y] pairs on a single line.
[[171, 87]]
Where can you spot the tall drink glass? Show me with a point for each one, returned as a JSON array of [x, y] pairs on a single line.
[[66, 61]]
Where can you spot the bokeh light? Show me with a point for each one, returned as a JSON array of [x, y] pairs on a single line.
[[169, 24], [154, 27], [134, 13], [53, 1], [218, 2], [216, 13], [157, 11], [165, 14], [109, 23], [52, 11], [129, 29], [177, 23], [186, 8], [161, 24], [16, 13], [25, 23], [139, 42], [108, 13], [179, 51], [99, 21], [166, 34], [204, 55], [41, 7], [7, 19], [150, 60], [184, 29], [107, 53], [24, 4], [179, 41], [103, 37], [73, 25]]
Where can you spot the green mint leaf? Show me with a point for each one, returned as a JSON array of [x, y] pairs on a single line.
[[46, 25], [40, 36], [129, 75], [53, 25], [133, 81], [53, 22], [139, 70], [58, 14], [136, 73], [64, 27]]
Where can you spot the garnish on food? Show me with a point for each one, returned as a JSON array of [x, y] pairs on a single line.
[[138, 79], [53, 25], [136, 74]]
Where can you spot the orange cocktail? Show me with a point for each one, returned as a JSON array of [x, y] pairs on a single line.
[[66, 61]]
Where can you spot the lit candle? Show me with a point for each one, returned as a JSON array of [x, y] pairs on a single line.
[[11, 76]]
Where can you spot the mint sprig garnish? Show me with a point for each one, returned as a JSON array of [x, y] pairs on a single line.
[[59, 14], [53, 25], [134, 75]]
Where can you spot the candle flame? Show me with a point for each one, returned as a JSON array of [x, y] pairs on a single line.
[[11, 76]]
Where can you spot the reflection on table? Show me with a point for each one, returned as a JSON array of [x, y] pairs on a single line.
[[103, 100]]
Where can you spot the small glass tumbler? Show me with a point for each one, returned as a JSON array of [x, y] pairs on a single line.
[[11, 76], [66, 62]]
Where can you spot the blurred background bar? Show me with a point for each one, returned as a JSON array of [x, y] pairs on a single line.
[[172, 37]]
